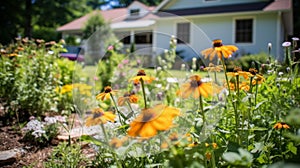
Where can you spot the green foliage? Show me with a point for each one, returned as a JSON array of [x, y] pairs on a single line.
[[99, 36], [93, 24], [65, 155], [106, 68], [30, 72], [247, 61]]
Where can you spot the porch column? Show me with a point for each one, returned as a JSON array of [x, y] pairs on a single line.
[[131, 36]]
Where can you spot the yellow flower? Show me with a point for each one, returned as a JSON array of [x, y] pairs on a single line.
[[280, 125], [195, 87], [215, 145], [106, 94], [64, 89], [244, 86], [129, 97], [141, 75], [99, 117], [259, 79], [213, 68], [219, 49], [152, 120]]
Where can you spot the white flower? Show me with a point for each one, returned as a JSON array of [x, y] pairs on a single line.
[[38, 133], [295, 39], [50, 120], [33, 125], [280, 73], [269, 45]]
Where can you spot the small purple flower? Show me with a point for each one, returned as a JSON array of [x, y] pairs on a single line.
[[286, 44], [295, 39], [96, 78], [120, 66], [126, 61], [201, 68], [110, 48]]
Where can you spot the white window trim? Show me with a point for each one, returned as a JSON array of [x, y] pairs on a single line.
[[253, 30], [175, 30]]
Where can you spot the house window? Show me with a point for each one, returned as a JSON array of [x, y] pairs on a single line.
[[244, 31], [143, 38], [134, 12], [183, 32]]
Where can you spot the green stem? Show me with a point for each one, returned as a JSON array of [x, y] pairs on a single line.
[[213, 159], [202, 113], [225, 70], [106, 141], [233, 104], [117, 109], [128, 103], [144, 93]]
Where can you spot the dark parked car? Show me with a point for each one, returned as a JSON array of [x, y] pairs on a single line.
[[73, 53]]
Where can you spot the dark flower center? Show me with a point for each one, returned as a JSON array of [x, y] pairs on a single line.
[[97, 115], [107, 89], [141, 73], [237, 69], [217, 43], [196, 83], [253, 71]]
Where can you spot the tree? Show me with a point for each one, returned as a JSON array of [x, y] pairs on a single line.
[[37, 18], [98, 36]]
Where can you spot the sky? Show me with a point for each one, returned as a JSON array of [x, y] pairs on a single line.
[[110, 4]]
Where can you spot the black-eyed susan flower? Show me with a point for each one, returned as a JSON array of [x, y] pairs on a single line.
[[141, 75], [213, 68], [219, 49], [106, 94], [195, 87], [281, 125], [237, 71], [152, 120], [244, 86], [128, 97], [99, 117]]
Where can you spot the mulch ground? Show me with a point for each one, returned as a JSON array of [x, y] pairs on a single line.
[[10, 138]]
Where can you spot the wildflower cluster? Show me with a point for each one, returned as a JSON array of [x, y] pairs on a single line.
[[42, 132]]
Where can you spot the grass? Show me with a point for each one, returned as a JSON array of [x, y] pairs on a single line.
[[91, 72]]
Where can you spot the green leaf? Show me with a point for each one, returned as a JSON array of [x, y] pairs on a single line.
[[231, 157], [292, 148], [89, 139], [257, 147]]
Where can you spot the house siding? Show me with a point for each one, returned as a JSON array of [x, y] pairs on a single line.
[[206, 29], [182, 4]]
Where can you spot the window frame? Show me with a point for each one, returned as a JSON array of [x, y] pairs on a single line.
[[235, 30], [189, 33]]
